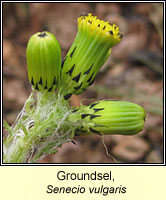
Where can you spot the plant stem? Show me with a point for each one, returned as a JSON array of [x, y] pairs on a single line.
[[40, 128]]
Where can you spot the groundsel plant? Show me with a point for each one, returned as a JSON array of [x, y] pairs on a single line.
[[47, 121]]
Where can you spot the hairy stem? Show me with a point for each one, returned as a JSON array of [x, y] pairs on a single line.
[[40, 128]]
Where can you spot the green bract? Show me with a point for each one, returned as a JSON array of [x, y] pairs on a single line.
[[44, 61], [89, 51], [109, 117]]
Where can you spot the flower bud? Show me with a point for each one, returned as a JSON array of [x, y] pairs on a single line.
[[88, 53], [44, 61], [109, 117]]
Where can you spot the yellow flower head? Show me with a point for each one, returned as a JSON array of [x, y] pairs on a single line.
[[89, 51], [90, 25]]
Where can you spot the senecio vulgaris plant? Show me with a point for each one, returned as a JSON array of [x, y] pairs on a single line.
[[46, 120]]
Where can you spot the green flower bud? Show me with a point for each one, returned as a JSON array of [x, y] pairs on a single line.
[[109, 117], [44, 61], [88, 53]]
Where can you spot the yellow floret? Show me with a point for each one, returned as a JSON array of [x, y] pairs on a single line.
[[93, 25]]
